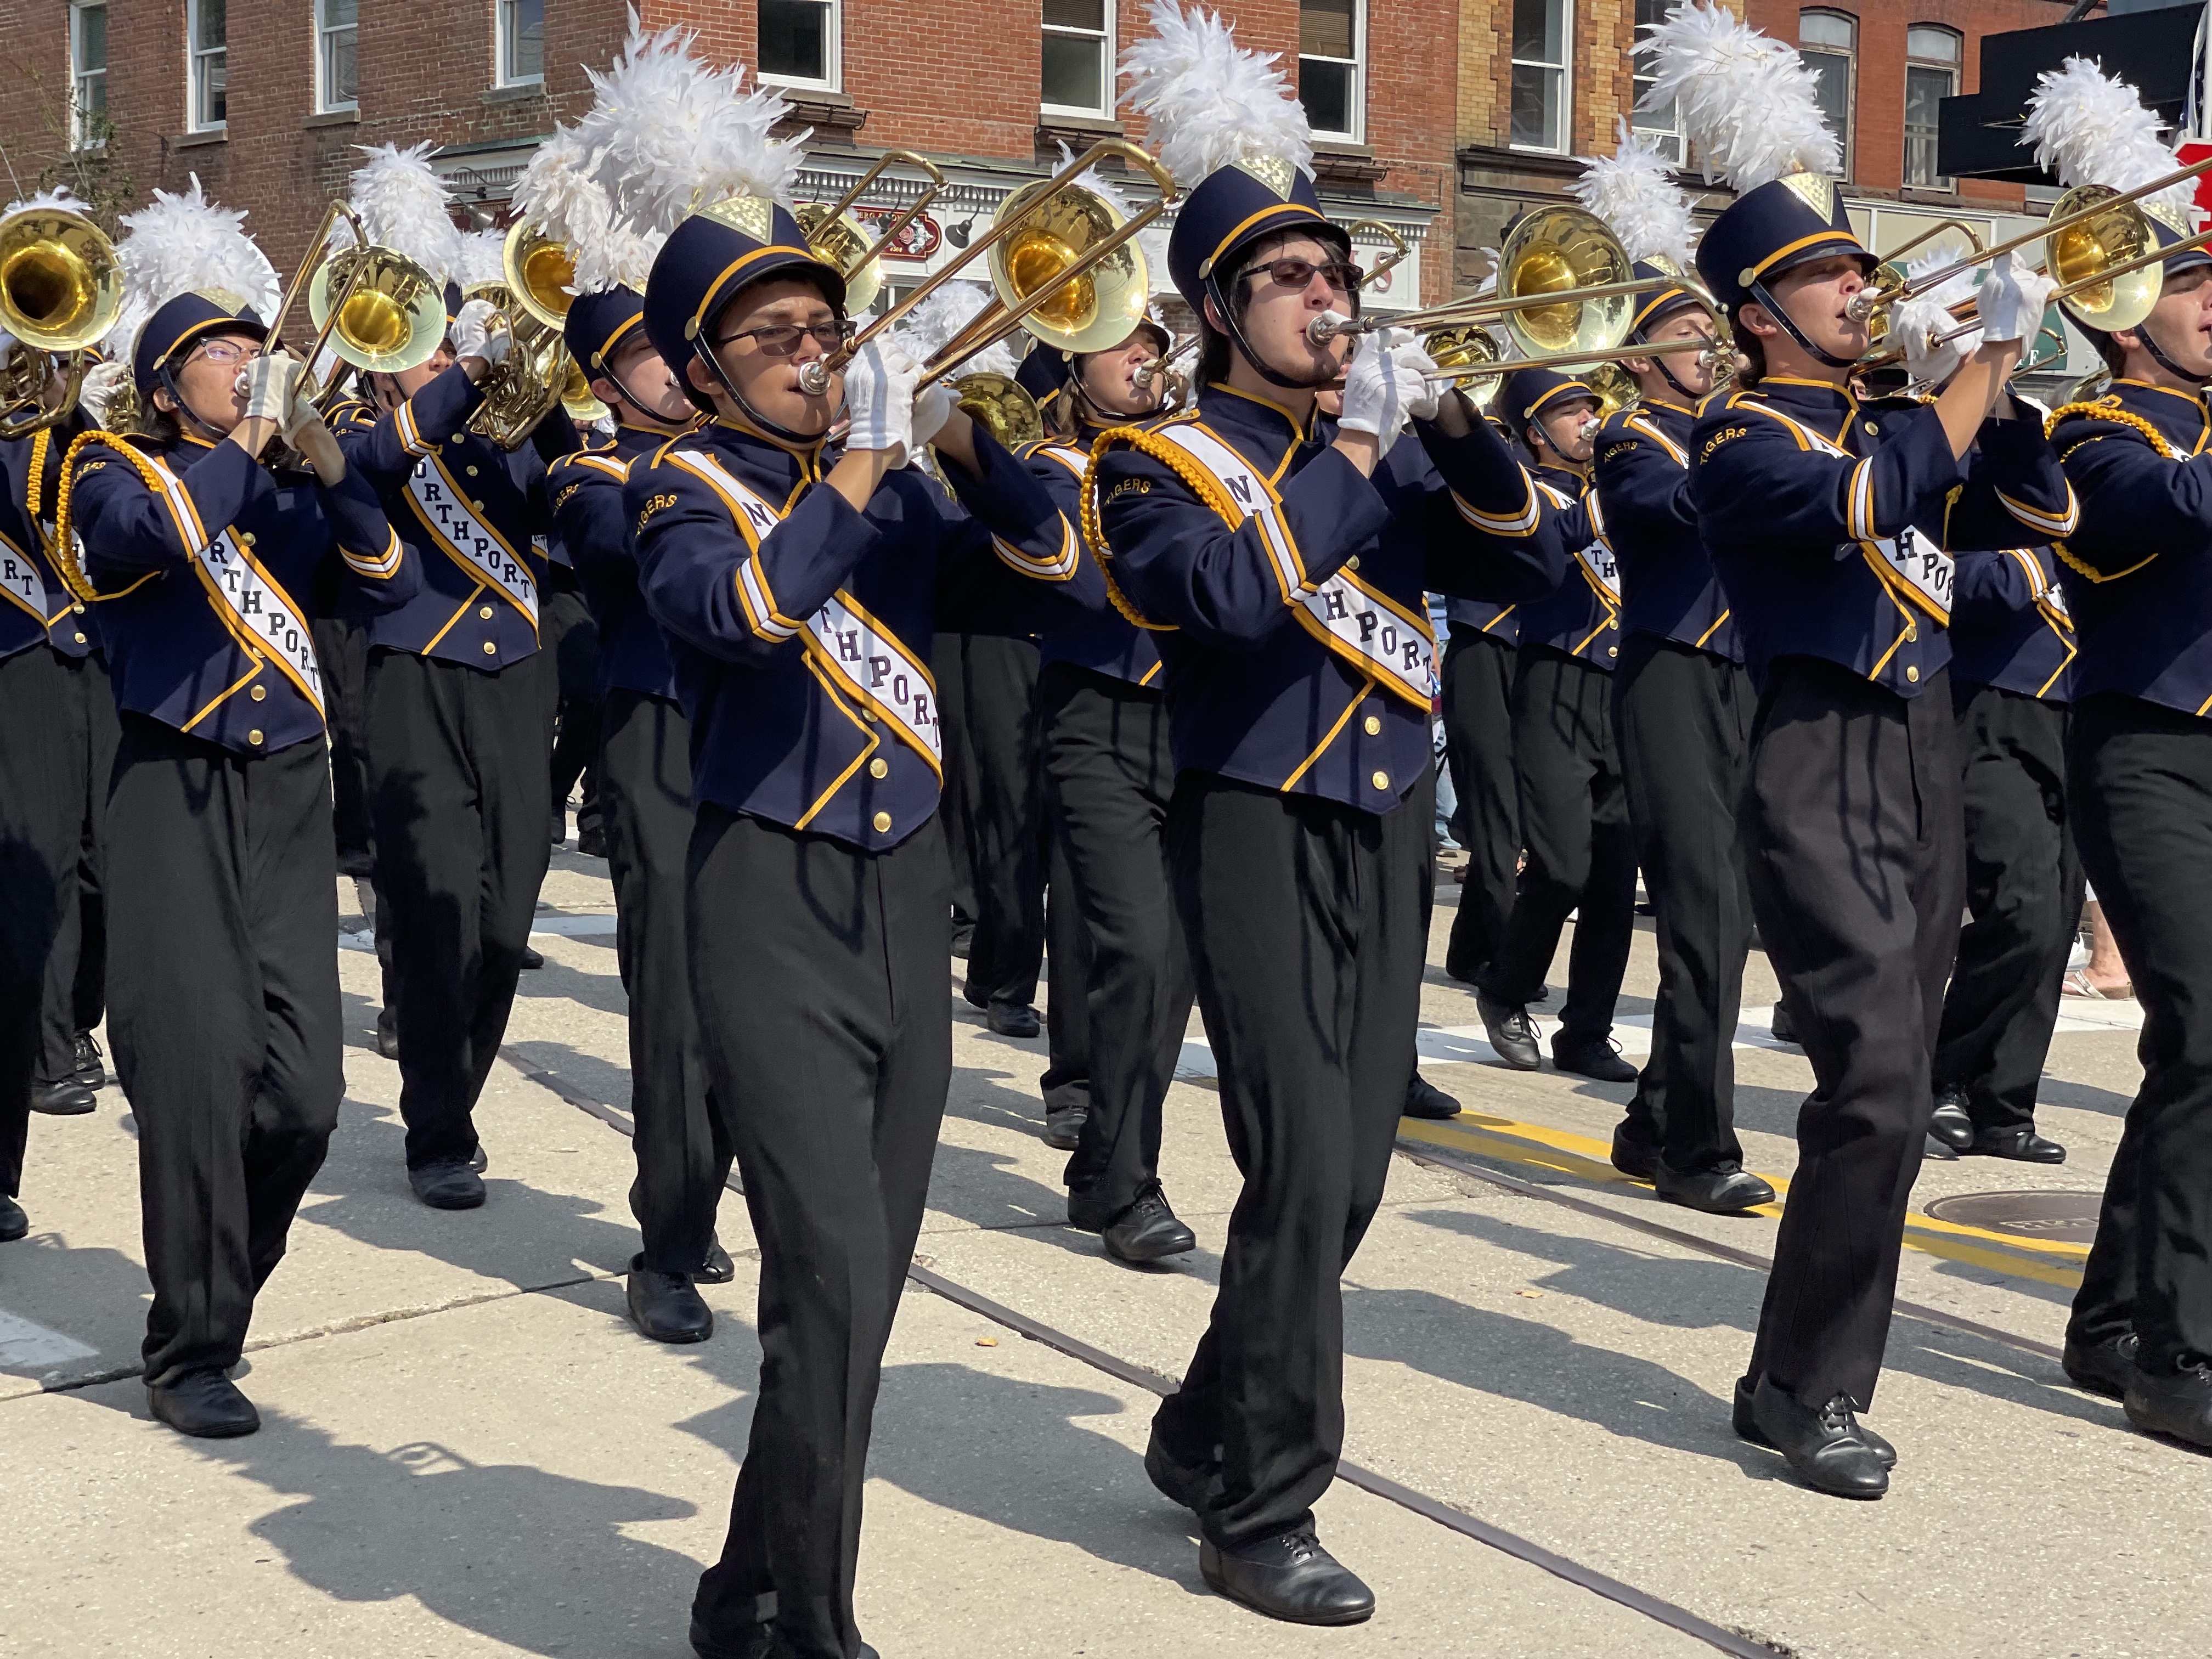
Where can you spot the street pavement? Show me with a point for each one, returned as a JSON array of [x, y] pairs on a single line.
[[467, 1449]]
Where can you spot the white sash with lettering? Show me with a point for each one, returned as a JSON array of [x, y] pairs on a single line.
[[1353, 619], [261, 618], [1916, 559], [847, 642], [1603, 570], [446, 510], [21, 581]]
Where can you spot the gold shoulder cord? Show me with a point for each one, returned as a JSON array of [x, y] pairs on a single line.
[[65, 547], [1094, 537], [2112, 412]]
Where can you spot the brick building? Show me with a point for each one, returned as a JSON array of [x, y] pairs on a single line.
[[266, 99]]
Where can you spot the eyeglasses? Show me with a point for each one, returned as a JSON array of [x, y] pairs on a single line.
[[1299, 273], [227, 353], [781, 339]]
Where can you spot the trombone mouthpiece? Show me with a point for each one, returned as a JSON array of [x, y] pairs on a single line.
[[813, 378], [1860, 306], [1327, 326]]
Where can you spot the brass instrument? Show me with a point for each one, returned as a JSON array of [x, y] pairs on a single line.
[[1000, 406], [1468, 351], [61, 287], [577, 397], [374, 307], [1615, 387], [1063, 264], [532, 295], [838, 238], [1389, 261]]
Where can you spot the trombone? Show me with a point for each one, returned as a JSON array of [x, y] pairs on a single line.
[[374, 307], [61, 287], [836, 235], [1045, 242]]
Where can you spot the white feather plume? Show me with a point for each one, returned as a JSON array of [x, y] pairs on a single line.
[[1208, 102], [1633, 191], [1747, 101], [2091, 128], [669, 134], [479, 259], [182, 243], [559, 191], [404, 204], [47, 198]]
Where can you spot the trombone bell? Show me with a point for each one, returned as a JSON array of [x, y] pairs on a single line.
[[2078, 253], [839, 241], [1094, 311], [393, 317], [1475, 350]]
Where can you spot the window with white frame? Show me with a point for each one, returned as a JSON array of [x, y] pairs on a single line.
[[336, 29], [1828, 42], [1661, 129], [1332, 66], [89, 73], [1931, 74], [799, 43], [1541, 39], [206, 32], [521, 42], [1078, 58]]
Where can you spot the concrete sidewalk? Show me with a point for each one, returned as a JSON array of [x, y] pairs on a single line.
[[467, 1448]]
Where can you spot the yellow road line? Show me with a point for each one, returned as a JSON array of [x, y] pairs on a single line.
[[1537, 1146]]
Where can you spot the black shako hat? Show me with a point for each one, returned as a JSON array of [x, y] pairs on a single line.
[[1765, 232], [714, 255], [184, 319]]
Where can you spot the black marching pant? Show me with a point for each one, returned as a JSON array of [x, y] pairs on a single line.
[[1109, 776], [224, 988], [1066, 1079], [1303, 917], [458, 764], [572, 638], [342, 645], [2142, 792], [948, 666], [1855, 849], [998, 775], [682, 1144], [818, 972], [1478, 675], [1574, 821], [2024, 893], [1684, 720], [56, 750]]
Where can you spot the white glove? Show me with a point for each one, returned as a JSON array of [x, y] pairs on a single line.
[[1914, 325], [1375, 392], [880, 383], [932, 408], [480, 331], [101, 382], [2012, 302], [270, 384], [301, 412], [1423, 395]]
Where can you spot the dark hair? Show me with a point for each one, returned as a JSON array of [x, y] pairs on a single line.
[[1213, 354], [1752, 350], [160, 426], [2116, 358]]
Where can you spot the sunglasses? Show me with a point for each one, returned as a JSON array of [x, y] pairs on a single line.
[[1296, 273], [781, 339]]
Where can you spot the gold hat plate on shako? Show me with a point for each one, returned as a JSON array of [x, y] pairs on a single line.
[[222, 299], [2169, 216], [748, 216], [1275, 171], [1817, 191]]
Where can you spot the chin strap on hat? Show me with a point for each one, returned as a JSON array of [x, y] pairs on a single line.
[[1774, 309], [774, 429], [166, 378], [2151, 345]]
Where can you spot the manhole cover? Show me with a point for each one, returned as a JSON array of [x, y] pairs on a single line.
[[2062, 1217]]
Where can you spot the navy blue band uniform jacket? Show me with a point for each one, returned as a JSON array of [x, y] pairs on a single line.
[[471, 515], [1581, 617], [2138, 574], [1262, 686], [1795, 484], [206, 562], [2010, 624], [36, 605], [1499, 619], [1640, 473], [592, 519], [801, 630]]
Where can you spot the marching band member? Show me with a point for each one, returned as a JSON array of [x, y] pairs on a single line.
[[798, 586], [1574, 817], [221, 871], [1817, 516], [459, 712], [2139, 778], [1682, 706], [681, 1140], [1286, 577]]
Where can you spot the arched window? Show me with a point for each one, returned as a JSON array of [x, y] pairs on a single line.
[[1931, 74], [1828, 42]]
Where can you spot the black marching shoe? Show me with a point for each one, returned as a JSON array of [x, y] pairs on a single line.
[[387, 1033], [2021, 1144], [1746, 1427], [1063, 1125], [1725, 1189], [664, 1306], [1784, 1028], [963, 935], [1424, 1099], [592, 844], [13, 1224], [757, 1642], [1176, 1481], [448, 1183], [1289, 1577], [68, 1098], [1950, 1124], [1634, 1157], [1510, 1032], [718, 1269], [1011, 1019], [2104, 1368], [202, 1403], [1145, 1231], [531, 959], [88, 1065], [2177, 1403], [1824, 1444], [1593, 1057], [1939, 1150]]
